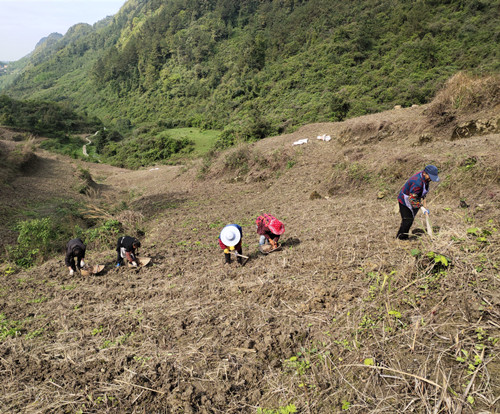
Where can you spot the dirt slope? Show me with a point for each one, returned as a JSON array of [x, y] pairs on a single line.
[[343, 318]]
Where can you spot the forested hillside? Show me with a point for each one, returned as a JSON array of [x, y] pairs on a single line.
[[45, 118], [258, 68]]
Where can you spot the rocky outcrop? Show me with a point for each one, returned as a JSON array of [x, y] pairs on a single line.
[[475, 127]]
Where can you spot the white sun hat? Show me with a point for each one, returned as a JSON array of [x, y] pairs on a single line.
[[230, 235]]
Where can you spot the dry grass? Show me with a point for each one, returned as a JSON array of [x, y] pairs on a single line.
[[247, 163], [344, 317], [23, 156], [186, 333], [466, 93]]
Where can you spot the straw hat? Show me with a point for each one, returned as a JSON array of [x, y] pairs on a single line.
[[230, 235], [277, 227]]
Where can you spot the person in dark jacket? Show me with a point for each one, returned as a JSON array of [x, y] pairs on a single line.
[[269, 229], [75, 248], [230, 239], [125, 249], [413, 196]]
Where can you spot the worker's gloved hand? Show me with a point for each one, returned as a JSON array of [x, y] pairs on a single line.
[[425, 211], [273, 244], [82, 263], [118, 265], [71, 272], [134, 264]]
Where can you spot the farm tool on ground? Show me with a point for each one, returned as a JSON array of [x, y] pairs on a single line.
[[267, 248], [240, 255]]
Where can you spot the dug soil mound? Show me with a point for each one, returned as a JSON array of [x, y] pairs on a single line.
[[344, 317]]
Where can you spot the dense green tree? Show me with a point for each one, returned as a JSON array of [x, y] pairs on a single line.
[[43, 117]]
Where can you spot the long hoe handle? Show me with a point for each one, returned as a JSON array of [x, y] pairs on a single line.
[[427, 224], [240, 255]]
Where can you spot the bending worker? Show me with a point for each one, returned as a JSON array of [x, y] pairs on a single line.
[[125, 249], [270, 229], [229, 240], [75, 248], [412, 197]]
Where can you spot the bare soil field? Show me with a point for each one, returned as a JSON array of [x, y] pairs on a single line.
[[344, 318]]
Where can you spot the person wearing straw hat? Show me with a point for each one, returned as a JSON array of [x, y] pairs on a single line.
[[413, 196], [75, 249], [269, 229], [229, 240]]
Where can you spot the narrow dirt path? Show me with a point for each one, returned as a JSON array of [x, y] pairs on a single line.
[[84, 148]]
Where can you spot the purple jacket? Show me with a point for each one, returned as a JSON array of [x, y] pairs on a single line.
[[415, 185]]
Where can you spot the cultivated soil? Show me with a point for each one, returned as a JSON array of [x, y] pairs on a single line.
[[343, 318]]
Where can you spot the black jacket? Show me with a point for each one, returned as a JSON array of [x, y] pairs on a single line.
[[70, 252], [126, 242]]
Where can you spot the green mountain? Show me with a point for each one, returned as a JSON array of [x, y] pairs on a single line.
[[259, 67]]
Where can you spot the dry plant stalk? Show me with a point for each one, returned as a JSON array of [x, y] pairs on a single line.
[[96, 213]]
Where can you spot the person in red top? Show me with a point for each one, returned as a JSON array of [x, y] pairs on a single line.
[[270, 229]]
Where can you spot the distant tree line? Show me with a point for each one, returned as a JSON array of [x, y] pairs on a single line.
[[43, 117]]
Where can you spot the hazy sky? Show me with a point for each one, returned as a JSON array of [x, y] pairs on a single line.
[[24, 22]]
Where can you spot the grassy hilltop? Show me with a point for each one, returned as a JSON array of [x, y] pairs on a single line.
[[345, 318]]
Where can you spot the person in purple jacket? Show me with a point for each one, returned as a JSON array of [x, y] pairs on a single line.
[[412, 197]]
